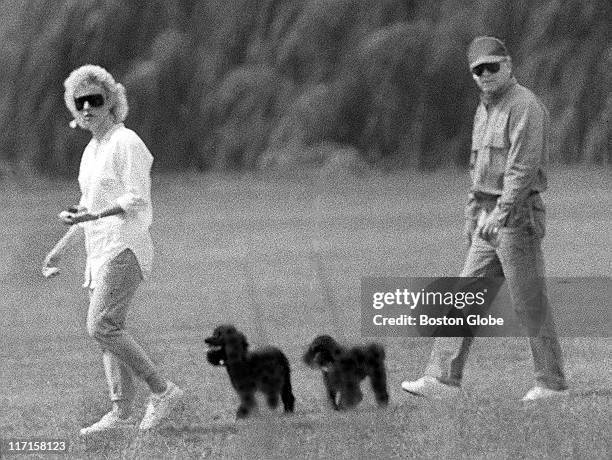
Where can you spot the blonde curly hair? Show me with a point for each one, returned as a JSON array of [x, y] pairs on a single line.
[[94, 74]]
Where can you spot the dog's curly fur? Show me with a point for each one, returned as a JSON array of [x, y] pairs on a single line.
[[266, 370], [343, 370]]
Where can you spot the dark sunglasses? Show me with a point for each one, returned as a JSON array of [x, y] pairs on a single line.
[[492, 67], [94, 100]]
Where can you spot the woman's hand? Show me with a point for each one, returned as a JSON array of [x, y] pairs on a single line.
[[52, 259], [71, 218], [84, 217], [50, 263]]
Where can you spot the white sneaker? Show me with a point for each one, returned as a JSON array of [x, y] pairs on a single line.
[[110, 421], [430, 387], [160, 406], [539, 392]]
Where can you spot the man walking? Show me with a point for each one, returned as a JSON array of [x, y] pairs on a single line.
[[504, 221]]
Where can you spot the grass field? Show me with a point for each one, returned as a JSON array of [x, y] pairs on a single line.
[[240, 250]]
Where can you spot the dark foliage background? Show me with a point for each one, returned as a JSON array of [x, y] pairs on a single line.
[[237, 84]]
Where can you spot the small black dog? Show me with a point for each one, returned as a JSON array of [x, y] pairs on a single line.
[[344, 369], [266, 370]]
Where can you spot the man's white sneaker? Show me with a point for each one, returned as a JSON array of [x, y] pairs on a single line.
[[539, 392], [110, 421], [160, 406], [431, 387]]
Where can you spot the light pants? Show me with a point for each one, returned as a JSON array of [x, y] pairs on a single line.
[[108, 307], [518, 258]]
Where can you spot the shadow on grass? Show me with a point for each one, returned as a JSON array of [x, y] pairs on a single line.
[[198, 429], [110, 442], [592, 392]]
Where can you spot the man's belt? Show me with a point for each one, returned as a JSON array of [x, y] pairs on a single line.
[[483, 196]]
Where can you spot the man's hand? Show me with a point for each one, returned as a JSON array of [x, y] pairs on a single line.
[[488, 225]]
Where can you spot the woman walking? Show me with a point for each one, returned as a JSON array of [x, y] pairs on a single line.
[[115, 214]]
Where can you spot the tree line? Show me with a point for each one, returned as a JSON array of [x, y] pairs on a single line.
[[242, 84]]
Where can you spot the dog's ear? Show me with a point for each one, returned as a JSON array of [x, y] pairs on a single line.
[[326, 356], [333, 350], [235, 346], [216, 357]]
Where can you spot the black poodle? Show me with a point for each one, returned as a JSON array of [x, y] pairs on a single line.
[[343, 370], [266, 370]]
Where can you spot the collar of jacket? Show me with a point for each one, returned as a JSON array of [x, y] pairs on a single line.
[[493, 98]]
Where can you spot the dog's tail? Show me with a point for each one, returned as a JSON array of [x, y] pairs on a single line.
[[286, 390]]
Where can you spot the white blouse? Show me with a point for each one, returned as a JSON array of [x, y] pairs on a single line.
[[116, 171]]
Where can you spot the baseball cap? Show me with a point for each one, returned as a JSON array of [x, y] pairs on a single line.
[[486, 49]]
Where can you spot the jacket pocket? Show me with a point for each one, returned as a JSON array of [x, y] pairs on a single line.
[[496, 150]]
